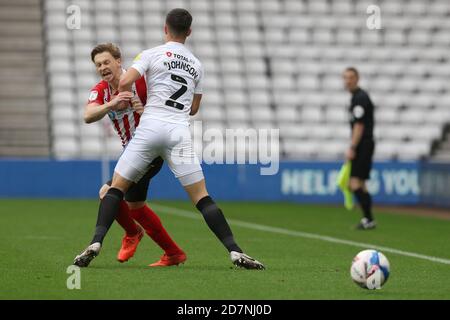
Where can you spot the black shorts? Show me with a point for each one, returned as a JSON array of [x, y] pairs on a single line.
[[138, 192], [362, 163]]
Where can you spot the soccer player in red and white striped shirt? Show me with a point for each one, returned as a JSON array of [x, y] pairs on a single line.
[[124, 110]]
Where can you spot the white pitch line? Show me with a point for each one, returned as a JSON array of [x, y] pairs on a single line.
[[260, 227]]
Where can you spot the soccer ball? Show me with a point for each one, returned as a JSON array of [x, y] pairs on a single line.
[[370, 269]]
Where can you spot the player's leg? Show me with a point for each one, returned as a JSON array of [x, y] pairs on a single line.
[[110, 206], [129, 242], [185, 165], [133, 233], [130, 168], [212, 214], [123, 218], [359, 189], [361, 167], [107, 213], [216, 221], [364, 198], [150, 221]]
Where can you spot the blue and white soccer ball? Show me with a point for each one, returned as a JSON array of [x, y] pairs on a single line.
[[370, 269]]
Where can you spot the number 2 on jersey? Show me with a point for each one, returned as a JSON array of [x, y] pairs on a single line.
[[172, 102]]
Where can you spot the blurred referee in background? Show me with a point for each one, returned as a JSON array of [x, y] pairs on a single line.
[[362, 145]]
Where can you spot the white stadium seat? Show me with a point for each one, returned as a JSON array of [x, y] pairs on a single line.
[[312, 115], [286, 114], [65, 129], [318, 6], [246, 5], [386, 150], [261, 114], [301, 149], [270, 63], [413, 150], [212, 113], [335, 114], [66, 147], [237, 113], [386, 115], [342, 7], [235, 97], [333, 150]]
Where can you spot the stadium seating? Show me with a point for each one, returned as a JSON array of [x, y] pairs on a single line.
[[23, 106], [271, 63]]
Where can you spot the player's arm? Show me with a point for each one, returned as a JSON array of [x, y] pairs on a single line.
[[93, 111], [140, 65], [357, 133], [198, 93], [195, 104], [359, 116], [127, 79], [358, 130], [137, 105]]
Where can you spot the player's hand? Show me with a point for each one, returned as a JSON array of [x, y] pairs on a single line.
[[121, 101], [350, 154], [137, 105]]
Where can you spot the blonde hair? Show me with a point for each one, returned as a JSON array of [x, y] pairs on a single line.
[[106, 47]]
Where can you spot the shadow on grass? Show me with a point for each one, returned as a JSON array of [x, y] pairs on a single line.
[[196, 268]]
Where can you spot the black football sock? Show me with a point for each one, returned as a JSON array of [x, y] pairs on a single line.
[[365, 201], [217, 223], [107, 213]]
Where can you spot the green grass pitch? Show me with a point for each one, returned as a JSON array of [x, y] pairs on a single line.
[[39, 239]]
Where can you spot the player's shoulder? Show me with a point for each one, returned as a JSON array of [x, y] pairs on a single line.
[[197, 60], [362, 93], [98, 92], [101, 85], [161, 49], [193, 59], [191, 55], [148, 53], [360, 96]]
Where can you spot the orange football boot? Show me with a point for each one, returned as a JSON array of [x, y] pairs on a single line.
[[129, 246], [172, 260]]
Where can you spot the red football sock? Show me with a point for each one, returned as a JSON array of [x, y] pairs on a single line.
[[154, 228], [126, 221]]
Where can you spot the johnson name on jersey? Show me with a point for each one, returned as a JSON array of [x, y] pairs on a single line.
[[173, 76]]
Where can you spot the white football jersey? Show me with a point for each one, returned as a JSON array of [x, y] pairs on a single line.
[[173, 76]]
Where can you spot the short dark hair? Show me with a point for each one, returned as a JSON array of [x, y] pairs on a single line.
[[354, 70], [106, 47], [179, 21]]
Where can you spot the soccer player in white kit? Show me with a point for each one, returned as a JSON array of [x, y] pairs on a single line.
[[174, 89]]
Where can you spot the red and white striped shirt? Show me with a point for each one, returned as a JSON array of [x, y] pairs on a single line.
[[125, 121]]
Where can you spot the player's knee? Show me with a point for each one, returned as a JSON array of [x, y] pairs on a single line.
[[136, 205], [196, 191], [121, 183], [355, 184], [103, 190]]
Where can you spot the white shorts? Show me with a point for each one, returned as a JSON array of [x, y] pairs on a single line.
[[155, 138]]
